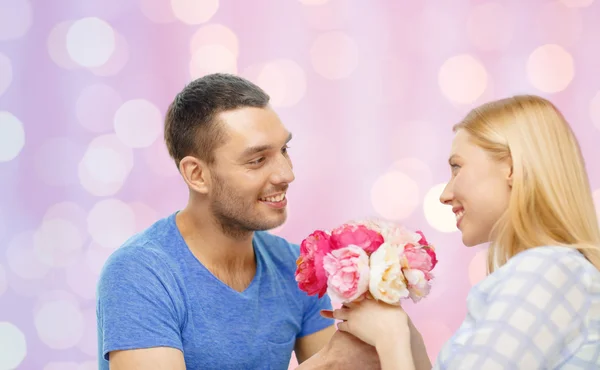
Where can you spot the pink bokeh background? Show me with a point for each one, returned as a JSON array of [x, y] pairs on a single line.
[[370, 91]]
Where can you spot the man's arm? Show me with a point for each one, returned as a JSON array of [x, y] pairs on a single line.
[[309, 345], [158, 358]]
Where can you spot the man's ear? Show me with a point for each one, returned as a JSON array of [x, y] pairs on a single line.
[[195, 173]]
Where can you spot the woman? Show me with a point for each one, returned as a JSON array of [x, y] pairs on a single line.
[[519, 182]]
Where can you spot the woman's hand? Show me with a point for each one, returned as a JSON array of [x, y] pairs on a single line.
[[374, 322]]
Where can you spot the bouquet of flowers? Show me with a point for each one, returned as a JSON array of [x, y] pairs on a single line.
[[355, 259]]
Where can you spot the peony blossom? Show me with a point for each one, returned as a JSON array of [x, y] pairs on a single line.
[[310, 274], [387, 282], [418, 285], [347, 273], [358, 235], [422, 241], [417, 258]]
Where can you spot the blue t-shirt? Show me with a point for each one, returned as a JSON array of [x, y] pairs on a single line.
[[154, 292]]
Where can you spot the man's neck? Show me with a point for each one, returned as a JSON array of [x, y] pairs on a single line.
[[211, 245]]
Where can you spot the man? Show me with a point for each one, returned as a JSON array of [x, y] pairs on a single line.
[[207, 287]]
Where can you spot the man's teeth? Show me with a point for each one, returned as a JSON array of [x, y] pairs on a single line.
[[275, 199]]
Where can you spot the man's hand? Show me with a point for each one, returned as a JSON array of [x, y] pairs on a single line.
[[344, 351]]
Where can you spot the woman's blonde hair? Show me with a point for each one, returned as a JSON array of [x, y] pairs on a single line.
[[551, 201]]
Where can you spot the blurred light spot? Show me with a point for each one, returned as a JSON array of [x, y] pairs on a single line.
[[89, 341], [138, 123], [435, 334], [212, 59], [82, 279], [145, 216], [96, 256], [595, 110], [193, 11], [284, 80], [15, 19], [96, 107], [490, 26], [314, 2], [62, 366], [550, 68], [215, 34], [439, 216], [416, 169], [478, 267], [557, 24], [105, 165], [59, 323], [334, 55], [57, 242], [22, 259], [13, 347], [3, 282], [57, 46], [158, 159], [117, 61], [395, 196], [158, 11], [12, 136], [6, 73], [462, 79], [69, 211], [111, 222], [56, 161], [577, 3], [90, 42]]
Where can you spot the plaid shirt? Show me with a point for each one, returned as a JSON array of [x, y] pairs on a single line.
[[541, 310]]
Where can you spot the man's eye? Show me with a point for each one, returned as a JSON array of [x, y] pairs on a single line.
[[257, 161]]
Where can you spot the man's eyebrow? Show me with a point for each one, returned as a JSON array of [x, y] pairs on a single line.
[[259, 148]]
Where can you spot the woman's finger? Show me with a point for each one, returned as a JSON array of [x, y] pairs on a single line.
[[342, 326], [340, 314], [327, 314]]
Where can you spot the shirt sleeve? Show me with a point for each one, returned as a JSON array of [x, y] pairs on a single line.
[[312, 321], [137, 304], [532, 318]]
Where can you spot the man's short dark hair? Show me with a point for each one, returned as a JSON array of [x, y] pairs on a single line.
[[191, 127]]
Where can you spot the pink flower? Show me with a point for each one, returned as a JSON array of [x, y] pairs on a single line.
[[347, 273], [359, 235], [310, 274], [416, 258], [422, 241], [418, 286]]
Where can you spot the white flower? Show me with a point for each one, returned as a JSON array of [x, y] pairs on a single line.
[[418, 285], [387, 282]]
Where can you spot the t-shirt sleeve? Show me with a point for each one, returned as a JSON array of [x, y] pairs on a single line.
[[137, 304], [532, 318], [313, 321]]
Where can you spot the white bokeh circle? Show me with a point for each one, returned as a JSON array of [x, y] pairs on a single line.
[[395, 196], [111, 222], [6, 73], [90, 42], [550, 68], [13, 346], [58, 242], [57, 46], [96, 107], [16, 17], [138, 123], [462, 79], [215, 34], [334, 55], [438, 215], [105, 165], [284, 80], [210, 59], [194, 12], [12, 136], [59, 323]]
